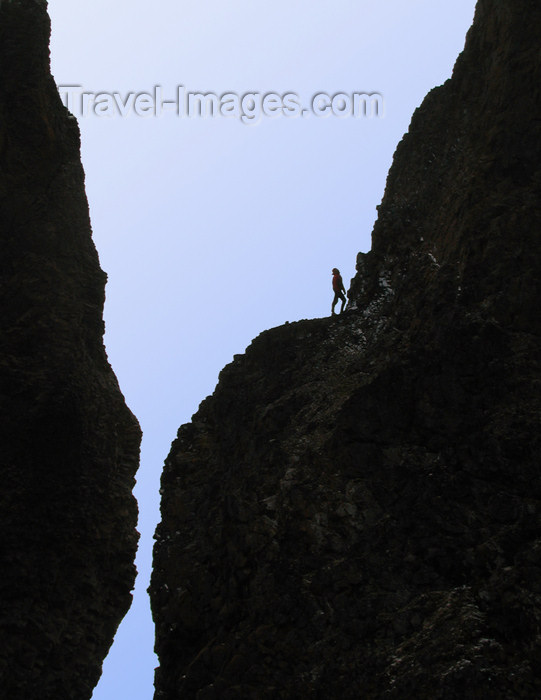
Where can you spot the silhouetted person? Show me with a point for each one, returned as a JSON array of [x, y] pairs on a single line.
[[338, 289]]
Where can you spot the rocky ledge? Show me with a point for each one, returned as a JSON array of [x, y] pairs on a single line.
[[355, 512]]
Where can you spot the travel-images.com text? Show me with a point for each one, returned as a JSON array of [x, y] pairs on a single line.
[[249, 108]]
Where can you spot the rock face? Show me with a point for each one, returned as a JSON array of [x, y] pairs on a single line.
[[355, 512], [70, 446]]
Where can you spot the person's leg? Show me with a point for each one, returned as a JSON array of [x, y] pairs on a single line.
[[334, 303], [343, 298]]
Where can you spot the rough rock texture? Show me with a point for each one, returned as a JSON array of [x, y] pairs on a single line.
[[69, 445], [356, 511]]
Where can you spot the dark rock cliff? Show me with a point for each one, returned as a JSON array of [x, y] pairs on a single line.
[[355, 512], [69, 445]]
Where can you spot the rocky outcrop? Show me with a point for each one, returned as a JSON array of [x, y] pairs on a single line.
[[70, 446], [355, 512]]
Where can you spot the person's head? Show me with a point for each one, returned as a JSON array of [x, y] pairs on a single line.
[[335, 271]]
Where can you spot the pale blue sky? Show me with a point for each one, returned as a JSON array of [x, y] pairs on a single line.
[[211, 230]]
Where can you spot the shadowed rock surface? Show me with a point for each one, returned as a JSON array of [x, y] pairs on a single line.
[[70, 446], [355, 512]]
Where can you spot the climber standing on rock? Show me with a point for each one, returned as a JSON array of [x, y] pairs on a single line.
[[338, 289]]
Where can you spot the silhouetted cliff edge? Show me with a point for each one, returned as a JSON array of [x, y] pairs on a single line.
[[355, 512], [69, 445]]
